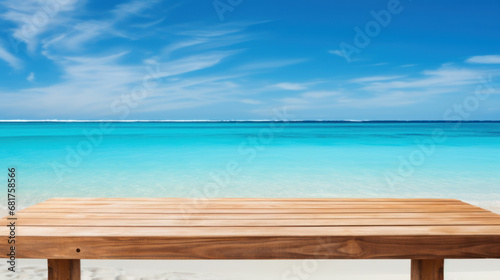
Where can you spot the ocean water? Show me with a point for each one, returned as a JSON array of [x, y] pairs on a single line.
[[253, 159]]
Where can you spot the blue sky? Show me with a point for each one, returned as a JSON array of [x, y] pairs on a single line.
[[242, 59]]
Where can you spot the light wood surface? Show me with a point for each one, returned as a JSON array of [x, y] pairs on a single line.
[[254, 228]]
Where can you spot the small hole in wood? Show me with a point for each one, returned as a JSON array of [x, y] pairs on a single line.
[[78, 250]]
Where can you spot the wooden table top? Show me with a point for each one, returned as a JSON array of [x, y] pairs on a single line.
[[253, 228]]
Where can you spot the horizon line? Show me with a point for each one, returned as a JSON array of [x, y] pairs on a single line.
[[249, 120]]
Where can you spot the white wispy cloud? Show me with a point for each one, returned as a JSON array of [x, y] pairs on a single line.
[[79, 33], [132, 7], [311, 99], [348, 58], [337, 52], [33, 18], [31, 77], [10, 58], [380, 100], [194, 62], [90, 84], [374, 79], [445, 77], [484, 59], [295, 101], [320, 94], [194, 92], [149, 24], [290, 86], [250, 101], [206, 32], [196, 43], [270, 64], [391, 90], [224, 29]]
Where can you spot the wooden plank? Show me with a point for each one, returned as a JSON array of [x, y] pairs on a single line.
[[245, 216], [256, 228], [42, 206], [240, 199], [254, 223], [372, 205], [320, 247], [63, 269], [427, 269], [254, 205], [250, 203], [142, 231], [180, 210]]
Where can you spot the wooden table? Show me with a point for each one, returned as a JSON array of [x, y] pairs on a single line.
[[427, 231]]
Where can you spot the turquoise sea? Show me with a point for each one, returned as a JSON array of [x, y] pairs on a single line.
[[253, 159]]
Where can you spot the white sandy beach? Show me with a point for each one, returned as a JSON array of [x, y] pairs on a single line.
[[262, 270]]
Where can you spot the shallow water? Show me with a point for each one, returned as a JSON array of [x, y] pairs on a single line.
[[257, 159]]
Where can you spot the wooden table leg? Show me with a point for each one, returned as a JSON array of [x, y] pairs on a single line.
[[427, 269], [64, 269]]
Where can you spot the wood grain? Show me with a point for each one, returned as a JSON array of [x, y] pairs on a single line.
[[427, 269], [189, 210], [95, 222], [243, 199], [251, 231], [63, 269], [285, 247], [248, 204], [252, 216], [259, 228]]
